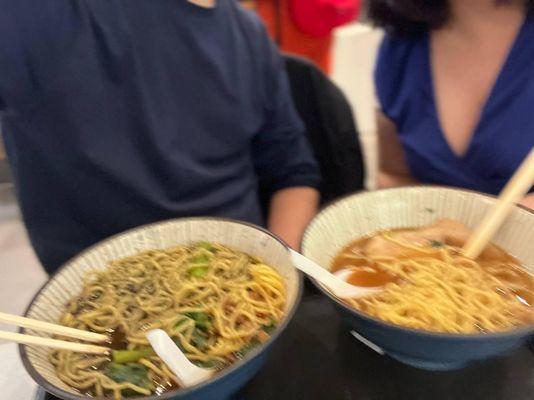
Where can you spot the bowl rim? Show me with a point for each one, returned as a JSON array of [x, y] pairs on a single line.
[[49, 387], [521, 331]]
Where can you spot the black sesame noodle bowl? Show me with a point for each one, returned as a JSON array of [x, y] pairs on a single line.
[[49, 303], [362, 214]]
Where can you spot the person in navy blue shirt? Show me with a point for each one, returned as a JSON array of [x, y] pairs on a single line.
[[116, 113], [455, 83]]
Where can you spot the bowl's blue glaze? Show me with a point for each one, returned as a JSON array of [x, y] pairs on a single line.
[[363, 213], [227, 386], [430, 350], [245, 237]]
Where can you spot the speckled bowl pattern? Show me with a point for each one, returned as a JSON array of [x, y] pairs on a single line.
[[49, 302], [364, 213]]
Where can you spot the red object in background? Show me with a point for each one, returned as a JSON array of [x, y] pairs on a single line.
[[278, 16], [319, 17]]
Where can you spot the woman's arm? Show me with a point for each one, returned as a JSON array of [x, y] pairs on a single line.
[[528, 201], [392, 168]]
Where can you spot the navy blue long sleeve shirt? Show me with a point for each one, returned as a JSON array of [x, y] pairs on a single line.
[[117, 113]]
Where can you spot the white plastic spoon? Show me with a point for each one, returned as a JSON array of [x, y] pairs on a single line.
[[188, 374], [334, 283]]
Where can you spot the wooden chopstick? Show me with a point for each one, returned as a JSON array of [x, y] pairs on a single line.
[[53, 328], [53, 343], [516, 188]]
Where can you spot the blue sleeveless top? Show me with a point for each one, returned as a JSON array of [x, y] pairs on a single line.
[[503, 136]]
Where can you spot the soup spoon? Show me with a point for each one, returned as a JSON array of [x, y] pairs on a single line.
[[188, 374], [335, 283]]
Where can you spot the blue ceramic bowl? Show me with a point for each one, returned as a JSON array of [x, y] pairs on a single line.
[[362, 214], [67, 282]]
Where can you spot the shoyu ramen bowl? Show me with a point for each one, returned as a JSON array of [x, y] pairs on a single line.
[[67, 282], [362, 214]]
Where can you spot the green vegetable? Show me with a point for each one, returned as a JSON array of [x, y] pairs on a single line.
[[180, 323], [202, 320], [133, 373], [247, 348], [199, 265], [199, 340], [179, 344], [205, 245], [130, 356], [436, 243], [200, 259], [198, 271], [216, 364], [270, 327]]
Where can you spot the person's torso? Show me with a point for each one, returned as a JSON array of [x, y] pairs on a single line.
[[131, 111], [502, 136]]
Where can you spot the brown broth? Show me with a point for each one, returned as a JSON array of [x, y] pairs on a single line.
[[365, 274], [118, 340], [519, 280], [343, 261], [371, 277], [167, 386], [161, 388], [494, 260]]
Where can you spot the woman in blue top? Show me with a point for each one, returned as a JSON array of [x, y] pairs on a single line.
[[455, 82]]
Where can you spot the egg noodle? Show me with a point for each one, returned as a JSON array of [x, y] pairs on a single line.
[[440, 290], [216, 303]]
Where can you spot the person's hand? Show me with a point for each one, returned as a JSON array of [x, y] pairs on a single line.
[[291, 210], [528, 201]]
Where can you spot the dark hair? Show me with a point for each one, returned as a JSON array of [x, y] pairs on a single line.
[[412, 17]]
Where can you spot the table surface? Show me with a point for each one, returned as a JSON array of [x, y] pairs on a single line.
[[317, 358]]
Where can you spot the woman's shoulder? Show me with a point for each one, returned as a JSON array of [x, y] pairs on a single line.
[[395, 53], [399, 67], [398, 45]]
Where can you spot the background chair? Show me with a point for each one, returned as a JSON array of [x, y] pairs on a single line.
[[330, 128]]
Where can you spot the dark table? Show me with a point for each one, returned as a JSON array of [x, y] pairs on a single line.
[[317, 358]]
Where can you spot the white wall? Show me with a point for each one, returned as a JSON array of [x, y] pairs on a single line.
[[353, 60]]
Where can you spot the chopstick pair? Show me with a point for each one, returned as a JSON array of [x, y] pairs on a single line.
[[55, 329], [516, 188]]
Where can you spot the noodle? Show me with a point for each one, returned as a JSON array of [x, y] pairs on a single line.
[[216, 303], [435, 288]]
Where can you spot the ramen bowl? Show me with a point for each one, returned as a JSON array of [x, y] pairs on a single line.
[[365, 213], [49, 302]]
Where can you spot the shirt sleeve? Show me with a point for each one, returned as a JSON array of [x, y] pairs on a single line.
[[282, 154], [389, 75], [8, 55], [29, 33]]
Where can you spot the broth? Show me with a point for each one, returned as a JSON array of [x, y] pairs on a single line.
[[428, 284], [365, 273]]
